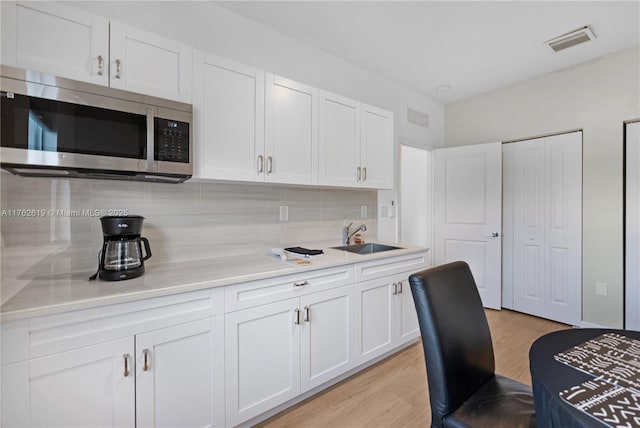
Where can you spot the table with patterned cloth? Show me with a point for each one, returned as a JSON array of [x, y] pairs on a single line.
[[586, 378]]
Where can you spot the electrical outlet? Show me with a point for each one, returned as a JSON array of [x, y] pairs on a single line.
[[284, 213], [363, 211], [601, 288]]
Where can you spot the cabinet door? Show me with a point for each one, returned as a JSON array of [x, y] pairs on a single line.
[[150, 64], [177, 376], [327, 336], [262, 358], [339, 141], [377, 148], [374, 318], [406, 317], [91, 386], [291, 131], [229, 104], [57, 39]]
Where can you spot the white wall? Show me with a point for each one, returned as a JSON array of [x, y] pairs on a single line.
[[596, 97]]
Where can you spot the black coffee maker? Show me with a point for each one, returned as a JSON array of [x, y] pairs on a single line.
[[121, 255]]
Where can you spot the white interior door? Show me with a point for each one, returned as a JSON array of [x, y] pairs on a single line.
[[468, 213], [542, 214], [632, 227]]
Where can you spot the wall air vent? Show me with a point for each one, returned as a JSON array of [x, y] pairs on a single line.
[[417, 118], [575, 37]]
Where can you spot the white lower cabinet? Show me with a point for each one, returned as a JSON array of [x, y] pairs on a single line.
[[156, 362], [327, 342], [166, 377], [278, 350], [176, 375], [90, 386], [385, 316]]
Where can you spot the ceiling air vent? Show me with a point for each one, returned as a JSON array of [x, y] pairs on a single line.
[[417, 118], [575, 37]]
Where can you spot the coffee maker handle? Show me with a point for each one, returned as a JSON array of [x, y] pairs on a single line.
[[147, 249]]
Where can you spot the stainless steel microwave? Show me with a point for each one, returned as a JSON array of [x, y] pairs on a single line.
[[51, 126]]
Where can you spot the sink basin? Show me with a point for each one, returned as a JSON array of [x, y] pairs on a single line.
[[369, 248]]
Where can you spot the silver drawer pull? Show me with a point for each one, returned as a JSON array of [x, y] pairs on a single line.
[[118, 63], [395, 288], [400, 289], [146, 367], [300, 283], [126, 365], [260, 164], [100, 65], [269, 165], [297, 321], [307, 313]]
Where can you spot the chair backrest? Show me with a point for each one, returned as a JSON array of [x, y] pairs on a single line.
[[455, 335]]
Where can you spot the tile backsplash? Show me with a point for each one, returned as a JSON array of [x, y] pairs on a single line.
[[51, 225]]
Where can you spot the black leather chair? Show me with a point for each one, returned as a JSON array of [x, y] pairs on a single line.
[[463, 388]]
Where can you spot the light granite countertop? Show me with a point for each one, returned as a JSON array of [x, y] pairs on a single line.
[[54, 294]]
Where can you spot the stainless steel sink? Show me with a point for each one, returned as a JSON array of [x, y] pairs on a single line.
[[368, 248]]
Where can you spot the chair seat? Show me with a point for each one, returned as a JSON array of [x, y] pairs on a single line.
[[500, 402]]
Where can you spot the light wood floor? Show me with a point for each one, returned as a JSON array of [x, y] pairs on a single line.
[[393, 393]]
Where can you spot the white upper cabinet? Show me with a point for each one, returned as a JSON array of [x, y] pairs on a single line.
[[356, 144], [376, 148], [229, 116], [143, 62], [58, 39], [339, 154], [291, 131]]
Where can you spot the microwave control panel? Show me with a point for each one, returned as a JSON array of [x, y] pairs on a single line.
[[172, 140]]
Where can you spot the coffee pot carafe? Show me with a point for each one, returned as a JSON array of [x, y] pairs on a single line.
[[122, 256]]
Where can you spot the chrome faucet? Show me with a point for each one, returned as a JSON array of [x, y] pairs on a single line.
[[346, 236]]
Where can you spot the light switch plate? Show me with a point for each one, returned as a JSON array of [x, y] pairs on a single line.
[[601, 288]]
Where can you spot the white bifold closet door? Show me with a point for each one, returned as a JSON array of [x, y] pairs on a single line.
[[542, 226], [632, 227]]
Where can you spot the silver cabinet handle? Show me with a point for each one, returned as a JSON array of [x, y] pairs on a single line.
[[495, 234], [260, 164], [307, 313], [395, 288], [364, 174], [118, 63], [297, 321], [269, 165], [100, 64], [359, 174], [400, 287], [147, 362], [126, 365], [300, 283]]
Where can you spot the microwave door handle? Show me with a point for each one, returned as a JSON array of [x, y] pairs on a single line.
[[150, 138]]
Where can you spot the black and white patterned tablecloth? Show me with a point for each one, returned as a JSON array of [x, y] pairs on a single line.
[[614, 396]]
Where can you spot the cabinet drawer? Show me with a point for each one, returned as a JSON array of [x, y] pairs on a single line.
[[250, 294], [57, 333], [378, 268]]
